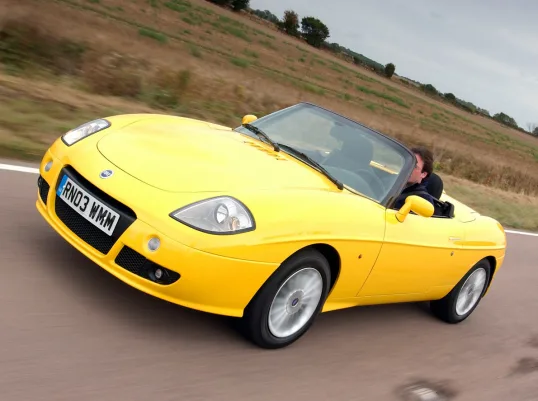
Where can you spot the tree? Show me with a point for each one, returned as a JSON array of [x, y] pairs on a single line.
[[450, 96], [430, 89], [533, 128], [290, 23], [238, 5], [506, 120], [268, 16], [314, 31], [482, 111], [389, 70]]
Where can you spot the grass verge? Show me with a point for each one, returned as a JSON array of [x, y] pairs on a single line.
[[512, 210]]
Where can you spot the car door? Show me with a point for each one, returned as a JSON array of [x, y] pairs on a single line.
[[418, 256]]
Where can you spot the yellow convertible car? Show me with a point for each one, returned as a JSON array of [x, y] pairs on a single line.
[[273, 222]]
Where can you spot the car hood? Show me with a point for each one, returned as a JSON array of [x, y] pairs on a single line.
[[184, 155]]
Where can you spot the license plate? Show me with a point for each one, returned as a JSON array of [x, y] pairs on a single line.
[[87, 206]]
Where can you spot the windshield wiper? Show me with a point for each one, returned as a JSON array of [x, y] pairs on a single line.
[[314, 163], [262, 134]]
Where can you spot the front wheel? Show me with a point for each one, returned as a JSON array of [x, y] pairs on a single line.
[[459, 303], [288, 303]]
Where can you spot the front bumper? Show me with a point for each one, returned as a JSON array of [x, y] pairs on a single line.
[[192, 278]]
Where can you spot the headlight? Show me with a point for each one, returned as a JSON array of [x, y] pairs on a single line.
[[84, 131], [220, 215]]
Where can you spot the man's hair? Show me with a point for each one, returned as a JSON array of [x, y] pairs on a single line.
[[427, 156]]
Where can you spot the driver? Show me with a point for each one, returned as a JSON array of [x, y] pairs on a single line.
[[416, 185]]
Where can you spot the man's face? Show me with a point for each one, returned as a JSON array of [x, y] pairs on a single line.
[[417, 175]]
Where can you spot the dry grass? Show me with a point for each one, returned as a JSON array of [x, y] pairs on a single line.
[[511, 209], [33, 114], [192, 58]]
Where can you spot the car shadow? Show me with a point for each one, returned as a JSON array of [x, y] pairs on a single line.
[[105, 292], [109, 295]]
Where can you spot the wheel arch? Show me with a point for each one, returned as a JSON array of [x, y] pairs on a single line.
[[330, 253], [493, 265], [333, 258]]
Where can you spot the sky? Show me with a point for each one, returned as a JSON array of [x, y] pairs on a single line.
[[483, 51]]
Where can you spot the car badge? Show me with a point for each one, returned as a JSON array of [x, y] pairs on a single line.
[[106, 174]]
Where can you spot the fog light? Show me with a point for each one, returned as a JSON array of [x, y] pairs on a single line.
[[48, 166], [158, 274], [153, 244]]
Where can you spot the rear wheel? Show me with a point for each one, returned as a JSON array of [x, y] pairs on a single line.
[[288, 303], [459, 303]]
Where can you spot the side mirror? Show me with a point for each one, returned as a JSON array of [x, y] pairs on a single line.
[[417, 205], [249, 118]]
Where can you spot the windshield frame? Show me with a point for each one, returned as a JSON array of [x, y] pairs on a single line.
[[409, 157]]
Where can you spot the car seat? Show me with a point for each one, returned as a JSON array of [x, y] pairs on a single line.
[[434, 185]]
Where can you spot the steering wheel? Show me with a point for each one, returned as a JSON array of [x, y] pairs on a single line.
[[375, 182]]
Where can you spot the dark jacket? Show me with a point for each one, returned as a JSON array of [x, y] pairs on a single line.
[[414, 189]]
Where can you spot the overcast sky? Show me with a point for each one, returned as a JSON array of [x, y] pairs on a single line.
[[483, 51]]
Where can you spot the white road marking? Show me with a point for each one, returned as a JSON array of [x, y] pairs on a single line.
[[20, 169], [32, 170], [521, 233]]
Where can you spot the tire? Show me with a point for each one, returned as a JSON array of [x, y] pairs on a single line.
[[448, 310], [288, 282]]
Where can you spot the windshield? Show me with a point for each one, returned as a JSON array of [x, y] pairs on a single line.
[[363, 160]]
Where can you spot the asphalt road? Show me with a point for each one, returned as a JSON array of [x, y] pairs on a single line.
[[70, 331]]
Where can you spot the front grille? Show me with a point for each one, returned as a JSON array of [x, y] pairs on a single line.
[[137, 264], [81, 227], [85, 230], [43, 189]]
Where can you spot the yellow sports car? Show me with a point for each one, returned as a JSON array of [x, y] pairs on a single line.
[[272, 222]]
